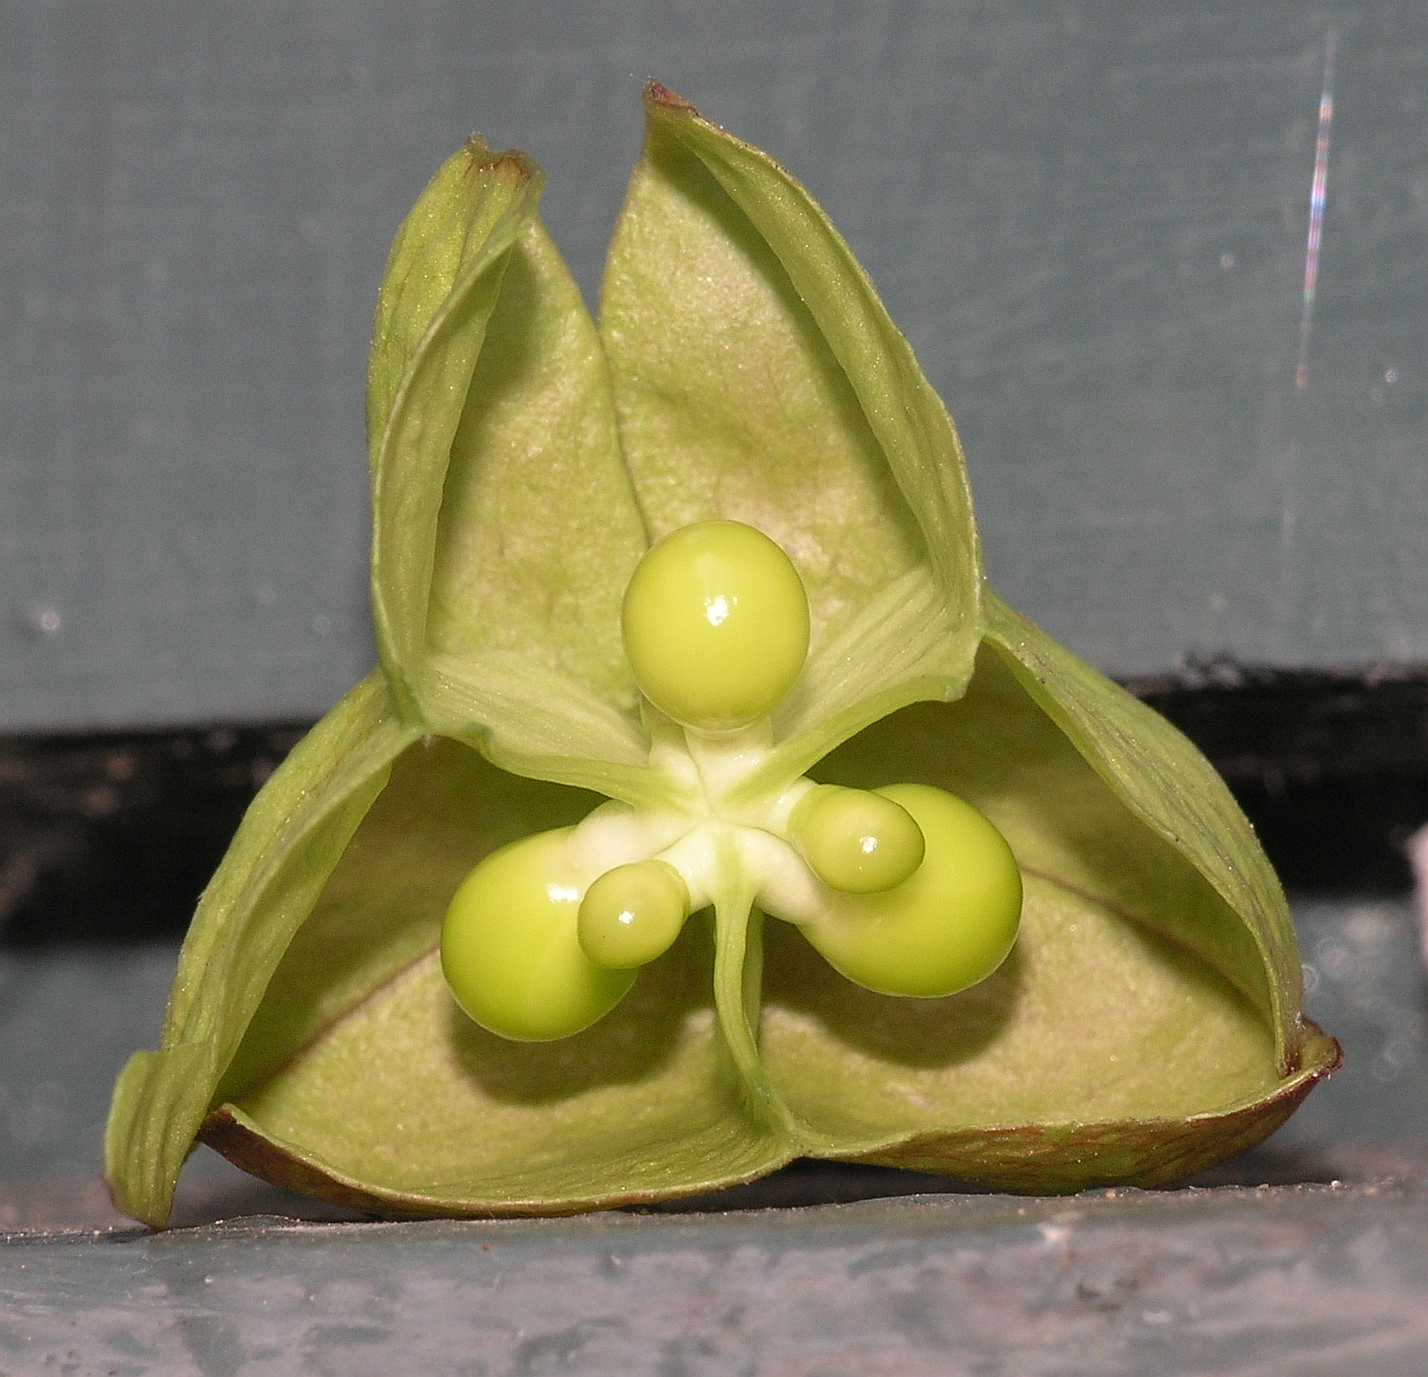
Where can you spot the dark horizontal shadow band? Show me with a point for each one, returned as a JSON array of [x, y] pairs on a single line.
[[111, 836]]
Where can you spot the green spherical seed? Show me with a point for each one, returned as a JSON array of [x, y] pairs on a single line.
[[715, 622], [632, 914], [945, 928], [856, 841], [509, 948]]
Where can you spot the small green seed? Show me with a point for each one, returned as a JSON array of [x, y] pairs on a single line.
[[632, 914], [856, 841], [510, 950], [945, 928], [716, 625]]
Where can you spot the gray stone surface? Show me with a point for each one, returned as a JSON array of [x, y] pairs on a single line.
[[1090, 219]]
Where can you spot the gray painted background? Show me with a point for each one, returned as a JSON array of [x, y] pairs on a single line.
[[1089, 218]]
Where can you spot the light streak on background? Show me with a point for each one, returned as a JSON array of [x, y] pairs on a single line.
[[1317, 189]]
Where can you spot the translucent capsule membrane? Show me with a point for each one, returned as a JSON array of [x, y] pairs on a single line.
[[716, 626]]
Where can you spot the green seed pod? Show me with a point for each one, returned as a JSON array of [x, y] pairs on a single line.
[[945, 928], [856, 841], [632, 914], [716, 625], [509, 948], [519, 455]]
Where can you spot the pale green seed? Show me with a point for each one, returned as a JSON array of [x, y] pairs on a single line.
[[632, 914], [716, 625], [856, 841], [510, 950], [945, 928]]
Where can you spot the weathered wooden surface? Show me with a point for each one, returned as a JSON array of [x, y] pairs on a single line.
[[1090, 219], [1310, 1281]]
